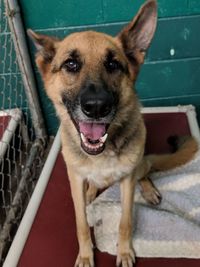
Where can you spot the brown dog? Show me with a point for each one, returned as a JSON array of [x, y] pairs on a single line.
[[89, 77]]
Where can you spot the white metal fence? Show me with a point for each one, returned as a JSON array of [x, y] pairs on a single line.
[[22, 134]]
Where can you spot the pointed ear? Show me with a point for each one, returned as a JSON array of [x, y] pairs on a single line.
[[45, 45], [137, 35]]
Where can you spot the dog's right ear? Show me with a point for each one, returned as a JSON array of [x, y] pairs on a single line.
[[137, 35], [45, 45]]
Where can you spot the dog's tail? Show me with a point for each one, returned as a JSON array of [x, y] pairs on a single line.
[[184, 150]]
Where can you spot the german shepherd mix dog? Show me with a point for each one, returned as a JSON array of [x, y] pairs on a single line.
[[89, 77]]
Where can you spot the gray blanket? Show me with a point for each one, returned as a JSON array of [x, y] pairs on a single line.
[[171, 229]]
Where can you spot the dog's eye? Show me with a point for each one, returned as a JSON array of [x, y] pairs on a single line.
[[72, 65], [113, 65]]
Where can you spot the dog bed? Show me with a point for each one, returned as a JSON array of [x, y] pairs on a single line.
[[171, 229], [47, 236]]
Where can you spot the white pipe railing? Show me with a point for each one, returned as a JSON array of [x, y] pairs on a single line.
[[32, 208], [16, 117], [189, 110]]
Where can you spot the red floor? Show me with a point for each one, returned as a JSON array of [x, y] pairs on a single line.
[[4, 120], [52, 241]]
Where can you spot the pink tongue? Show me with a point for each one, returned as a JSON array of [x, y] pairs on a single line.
[[93, 131]]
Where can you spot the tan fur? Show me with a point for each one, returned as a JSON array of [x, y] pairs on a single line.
[[151, 163], [122, 159], [185, 153]]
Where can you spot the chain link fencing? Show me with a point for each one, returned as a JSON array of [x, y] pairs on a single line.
[[21, 149]]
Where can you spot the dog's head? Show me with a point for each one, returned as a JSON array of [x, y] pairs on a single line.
[[89, 76]]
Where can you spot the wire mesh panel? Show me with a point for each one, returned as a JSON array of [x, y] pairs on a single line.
[[20, 150]]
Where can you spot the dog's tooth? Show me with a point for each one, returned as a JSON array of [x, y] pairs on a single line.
[[94, 146], [87, 145], [85, 142], [83, 138], [103, 138]]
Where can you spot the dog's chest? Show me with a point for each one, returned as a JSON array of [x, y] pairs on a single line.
[[105, 172]]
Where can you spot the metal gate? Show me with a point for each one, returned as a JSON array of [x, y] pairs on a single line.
[[23, 137]]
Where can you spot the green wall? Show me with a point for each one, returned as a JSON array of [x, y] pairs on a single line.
[[12, 94], [166, 78]]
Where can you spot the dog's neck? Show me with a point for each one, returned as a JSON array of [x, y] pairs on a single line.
[[124, 134]]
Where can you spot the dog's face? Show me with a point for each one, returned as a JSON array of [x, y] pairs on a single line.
[[89, 76]]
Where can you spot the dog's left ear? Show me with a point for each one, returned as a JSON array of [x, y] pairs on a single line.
[[137, 35]]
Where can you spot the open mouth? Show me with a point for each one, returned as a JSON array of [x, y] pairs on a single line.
[[93, 136]]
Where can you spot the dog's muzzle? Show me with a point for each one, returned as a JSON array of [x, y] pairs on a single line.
[[92, 111], [97, 105]]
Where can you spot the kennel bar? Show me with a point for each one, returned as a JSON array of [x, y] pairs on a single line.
[[27, 223], [18, 91], [17, 29]]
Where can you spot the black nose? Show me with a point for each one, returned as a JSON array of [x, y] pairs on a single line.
[[96, 108], [96, 102]]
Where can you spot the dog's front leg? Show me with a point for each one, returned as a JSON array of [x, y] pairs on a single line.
[[91, 193], [125, 253], [85, 256]]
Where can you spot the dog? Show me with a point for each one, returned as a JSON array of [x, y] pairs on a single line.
[[89, 77]]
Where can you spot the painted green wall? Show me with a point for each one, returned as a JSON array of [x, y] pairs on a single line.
[[12, 94], [171, 73]]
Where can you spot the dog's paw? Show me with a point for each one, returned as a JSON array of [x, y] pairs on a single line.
[[152, 195], [86, 261], [126, 258]]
